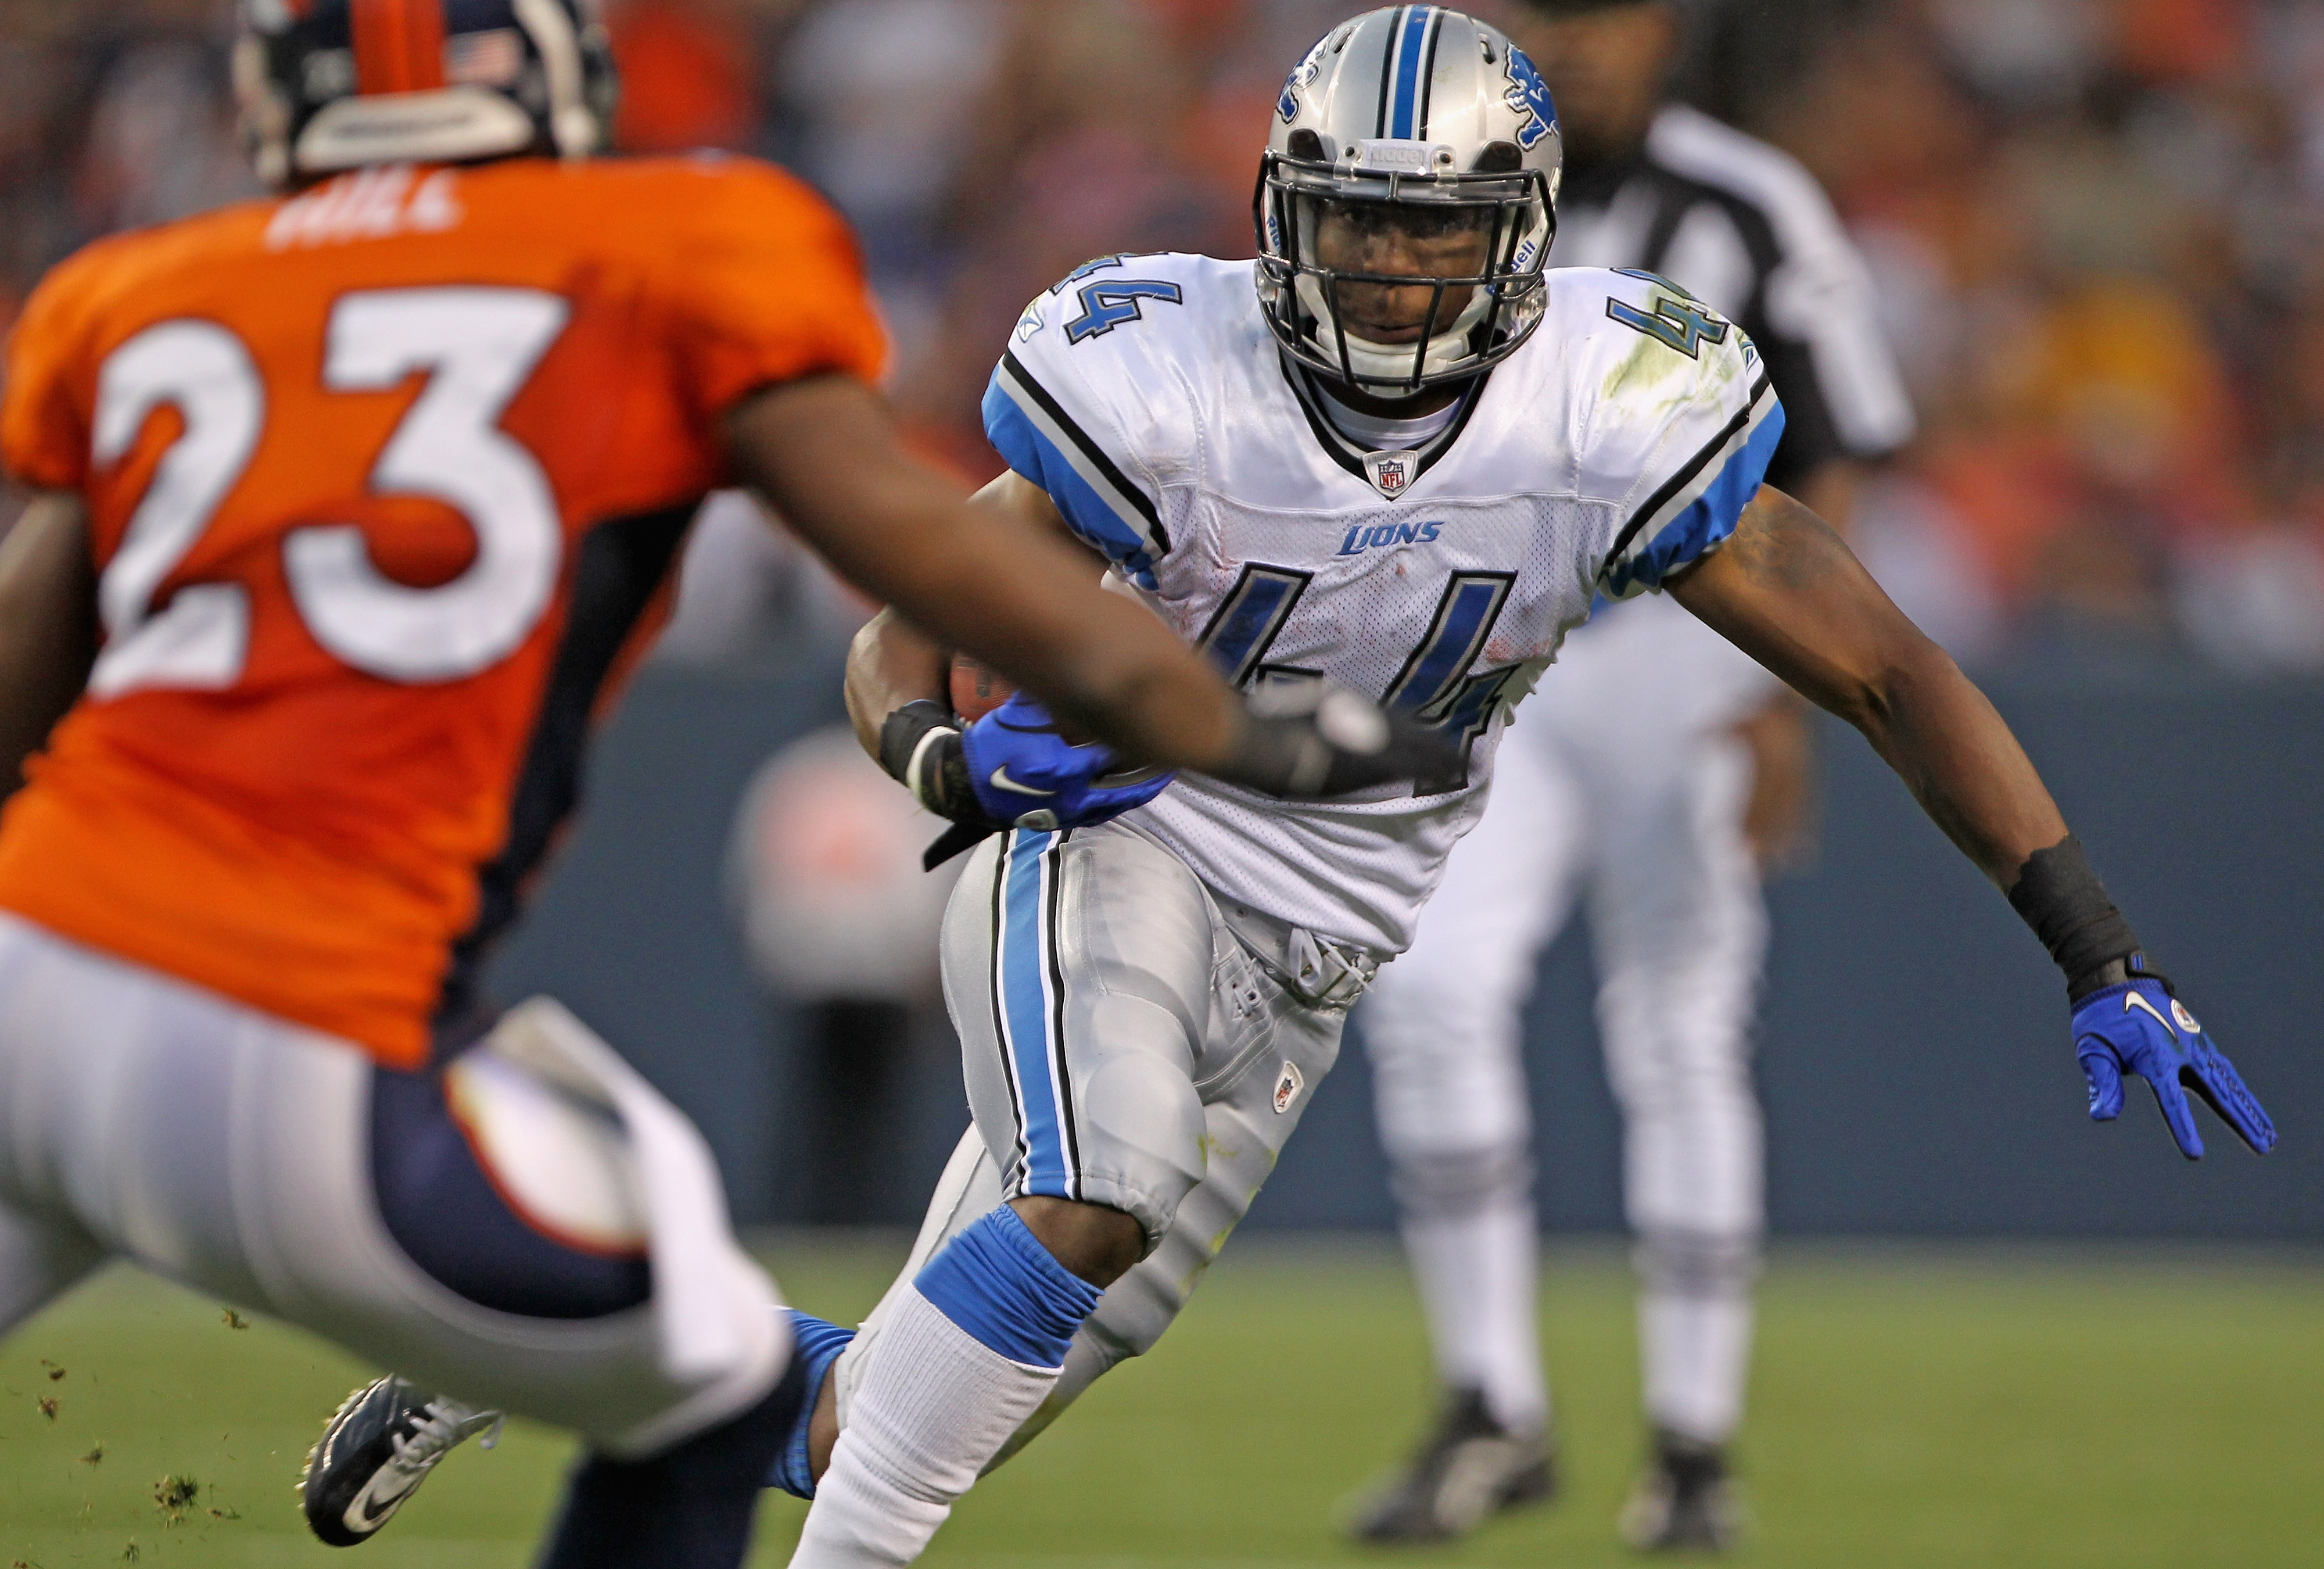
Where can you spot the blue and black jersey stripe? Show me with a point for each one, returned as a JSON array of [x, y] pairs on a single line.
[[1702, 502], [1031, 430], [1686, 475]]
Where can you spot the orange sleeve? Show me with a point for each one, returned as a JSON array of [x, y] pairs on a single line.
[[769, 288], [44, 427]]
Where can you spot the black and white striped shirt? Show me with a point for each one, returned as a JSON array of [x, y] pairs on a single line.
[[1745, 227]]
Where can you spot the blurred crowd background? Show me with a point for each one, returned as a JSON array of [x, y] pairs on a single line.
[[2096, 232], [2097, 229]]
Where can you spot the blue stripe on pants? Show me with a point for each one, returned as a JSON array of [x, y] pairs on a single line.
[[1022, 973]]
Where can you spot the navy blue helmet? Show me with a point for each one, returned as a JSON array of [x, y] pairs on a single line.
[[331, 85]]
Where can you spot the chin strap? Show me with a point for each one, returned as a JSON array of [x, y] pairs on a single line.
[[1443, 356]]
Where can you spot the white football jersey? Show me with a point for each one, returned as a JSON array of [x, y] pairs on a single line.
[[1147, 396]]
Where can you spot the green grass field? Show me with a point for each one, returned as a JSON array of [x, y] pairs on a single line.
[[1989, 1407]]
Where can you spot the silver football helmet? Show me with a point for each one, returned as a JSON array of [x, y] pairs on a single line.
[[1426, 118]]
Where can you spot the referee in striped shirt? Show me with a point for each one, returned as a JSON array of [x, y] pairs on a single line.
[[1649, 782]]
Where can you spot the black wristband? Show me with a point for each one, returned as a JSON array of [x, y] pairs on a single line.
[[920, 746], [912, 746], [2062, 899], [904, 732]]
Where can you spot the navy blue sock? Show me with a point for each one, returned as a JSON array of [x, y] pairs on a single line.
[[815, 1345], [691, 1507]]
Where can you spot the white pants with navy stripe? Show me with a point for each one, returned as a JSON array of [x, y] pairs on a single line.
[[230, 1151], [1619, 787], [1122, 1047]]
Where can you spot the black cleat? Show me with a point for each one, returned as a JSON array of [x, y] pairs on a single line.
[[375, 1452], [1468, 1469], [1686, 1501]]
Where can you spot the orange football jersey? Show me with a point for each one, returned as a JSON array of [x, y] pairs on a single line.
[[384, 481]]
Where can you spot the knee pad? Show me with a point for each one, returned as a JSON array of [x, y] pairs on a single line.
[[1450, 1084], [1697, 1264], [1448, 1184], [564, 1161]]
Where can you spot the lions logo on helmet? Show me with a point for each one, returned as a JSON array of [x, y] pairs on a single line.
[[1529, 95], [1422, 119], [1303, 75], [332, 84]]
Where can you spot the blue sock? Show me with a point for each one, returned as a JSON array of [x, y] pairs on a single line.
[[996, 1281], [816, 1344]]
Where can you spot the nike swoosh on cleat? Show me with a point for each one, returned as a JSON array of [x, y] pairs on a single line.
[[363, 1519], [368, 1511], [1002, 781]]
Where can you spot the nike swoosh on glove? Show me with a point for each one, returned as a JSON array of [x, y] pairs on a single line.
[[2139, 1028], [1025, 774]]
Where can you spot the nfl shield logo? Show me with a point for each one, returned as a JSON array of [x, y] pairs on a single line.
[[1389, 472], [1288, 1085]]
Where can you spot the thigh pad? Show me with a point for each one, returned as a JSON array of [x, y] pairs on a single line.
[[509, 1192], [1079, 968]]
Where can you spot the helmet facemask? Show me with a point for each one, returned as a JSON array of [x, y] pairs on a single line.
[[1326, 222]]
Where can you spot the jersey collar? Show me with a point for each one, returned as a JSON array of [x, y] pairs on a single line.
[[1351, 455]]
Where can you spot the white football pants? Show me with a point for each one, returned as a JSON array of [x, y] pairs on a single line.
[[228, 1150], [1619, 787]]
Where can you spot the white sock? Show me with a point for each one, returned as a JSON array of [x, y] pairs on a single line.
[[935, 1405], [1477, 1272], [1696, 1348]]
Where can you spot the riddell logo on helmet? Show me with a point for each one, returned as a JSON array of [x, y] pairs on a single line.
[[1406, 157]]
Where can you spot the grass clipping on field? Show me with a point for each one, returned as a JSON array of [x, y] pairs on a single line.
[[179, 1497], [174, 1495]]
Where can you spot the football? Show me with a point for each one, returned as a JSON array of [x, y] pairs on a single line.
[[977, 690]]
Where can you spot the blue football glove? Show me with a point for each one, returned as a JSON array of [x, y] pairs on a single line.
[[2139, 1028], [1027, 775]]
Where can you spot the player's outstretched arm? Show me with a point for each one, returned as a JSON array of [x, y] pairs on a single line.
[[827, 453], [997, 578], [48, 626], [1788, 592]]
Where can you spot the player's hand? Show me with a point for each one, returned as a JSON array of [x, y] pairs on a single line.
[[2139, 1028], [1313, 740], [1027, 775]]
